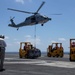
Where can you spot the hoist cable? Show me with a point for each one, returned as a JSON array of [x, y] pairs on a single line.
[[35, 36]]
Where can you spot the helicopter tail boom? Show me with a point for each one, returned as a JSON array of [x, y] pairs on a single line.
[[12, 25]]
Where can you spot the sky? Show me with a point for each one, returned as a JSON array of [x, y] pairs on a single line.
[[60, 29]]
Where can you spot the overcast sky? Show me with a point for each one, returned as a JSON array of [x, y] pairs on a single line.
[[60, 29]]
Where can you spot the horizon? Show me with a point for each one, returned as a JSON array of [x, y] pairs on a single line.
[[59, 29]]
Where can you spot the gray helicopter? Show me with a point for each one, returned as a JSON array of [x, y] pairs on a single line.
[[34, 19]]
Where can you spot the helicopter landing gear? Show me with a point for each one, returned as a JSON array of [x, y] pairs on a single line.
[[17, 28], [42, 24]]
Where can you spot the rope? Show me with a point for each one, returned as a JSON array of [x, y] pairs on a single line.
[[35, 36]]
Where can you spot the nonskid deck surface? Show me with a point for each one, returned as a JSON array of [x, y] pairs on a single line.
[[40, 66]]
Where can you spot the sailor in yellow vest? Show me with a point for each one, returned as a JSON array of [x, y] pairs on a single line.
[[2, 52]]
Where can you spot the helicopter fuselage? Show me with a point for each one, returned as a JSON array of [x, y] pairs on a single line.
[[32, 20], [36, 19]]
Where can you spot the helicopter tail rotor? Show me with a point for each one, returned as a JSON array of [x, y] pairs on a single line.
[[11, 18]]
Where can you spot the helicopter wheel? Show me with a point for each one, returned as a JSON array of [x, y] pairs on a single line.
[[41, 24], [17, 28]]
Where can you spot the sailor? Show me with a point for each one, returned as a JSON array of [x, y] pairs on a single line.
[[2, 52], [25, 46], [73, 44]]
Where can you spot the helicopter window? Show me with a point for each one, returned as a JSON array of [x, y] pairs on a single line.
[[45, 16], [33, 19], [27, 18], [41, 16]]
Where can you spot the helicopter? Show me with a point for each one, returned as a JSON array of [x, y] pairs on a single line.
[[34, 19]]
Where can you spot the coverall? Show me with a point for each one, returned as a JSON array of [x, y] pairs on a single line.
[[2, 52]]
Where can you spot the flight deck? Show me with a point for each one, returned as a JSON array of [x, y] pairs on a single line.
[[41, 66]]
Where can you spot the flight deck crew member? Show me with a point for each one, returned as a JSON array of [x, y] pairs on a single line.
[[25, 46], [2, 52]]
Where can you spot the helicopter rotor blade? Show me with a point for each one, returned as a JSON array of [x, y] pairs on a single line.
[[12, 17], [55, 14], [40, 7], [20, 11]]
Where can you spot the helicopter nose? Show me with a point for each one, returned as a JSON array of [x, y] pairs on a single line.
[[50, 18]]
